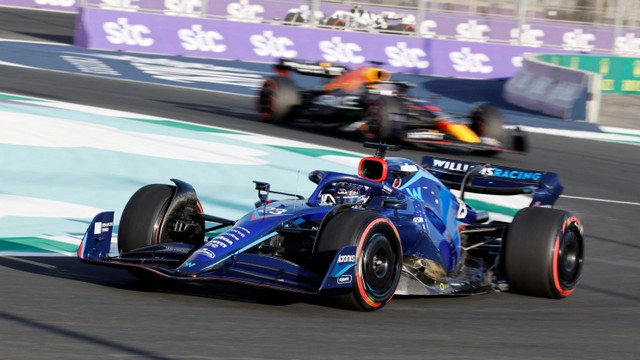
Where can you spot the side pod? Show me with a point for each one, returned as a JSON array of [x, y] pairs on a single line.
[[96, 242]]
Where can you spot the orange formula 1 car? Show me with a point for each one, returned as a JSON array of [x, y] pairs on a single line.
[[367, 100]]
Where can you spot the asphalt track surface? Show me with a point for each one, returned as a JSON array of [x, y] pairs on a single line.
[[57, 308]]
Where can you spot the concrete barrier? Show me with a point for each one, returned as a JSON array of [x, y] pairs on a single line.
[[620, 74], [555, 90]]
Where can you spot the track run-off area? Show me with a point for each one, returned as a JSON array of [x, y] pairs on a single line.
[[68, 162]]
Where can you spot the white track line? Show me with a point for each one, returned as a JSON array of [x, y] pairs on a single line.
[[601, 200], [30, 262]]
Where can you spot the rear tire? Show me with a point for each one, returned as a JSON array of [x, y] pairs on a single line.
[[379, 116], [142, 217], [544, 252], [278, 99], [378, 256], [487, 121]]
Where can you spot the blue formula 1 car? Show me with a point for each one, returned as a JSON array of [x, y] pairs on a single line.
[[394, 228]]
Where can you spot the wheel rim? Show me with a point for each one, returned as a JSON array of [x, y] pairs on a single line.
[[570, 259], [379, 265]]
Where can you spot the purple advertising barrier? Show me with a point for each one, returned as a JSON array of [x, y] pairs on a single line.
[[254, 10], [193, 8], [572, 37], [268, 10], [463, 27], [129, 31], [56, 5]]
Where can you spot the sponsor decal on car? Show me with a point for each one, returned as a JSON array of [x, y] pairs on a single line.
[[451, 165], [341, 102], [425, 135], [511, 174], [100, 227], [208, 253], [346, 259]]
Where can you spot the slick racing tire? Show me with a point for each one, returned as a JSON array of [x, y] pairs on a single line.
[[487, 121], [544, 252], [142, 217], [379, 115], [378, 263], [277, 100]]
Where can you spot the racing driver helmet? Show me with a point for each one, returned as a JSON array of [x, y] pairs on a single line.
[[344, 193]]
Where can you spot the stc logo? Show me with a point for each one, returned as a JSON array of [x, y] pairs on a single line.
[[183, 7], [121, 5], [425, 28], [63, 3], [628, 45], [269, 45], [123, 33], [472, 31], [516, 61], [243, 11], [337, 51], [466, 61], [578, 40], [526, 36], [197, 39], [403, 56]]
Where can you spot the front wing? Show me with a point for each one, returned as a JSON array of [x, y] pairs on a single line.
[[252, 269]]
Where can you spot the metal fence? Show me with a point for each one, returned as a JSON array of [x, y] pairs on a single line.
[[623, 13], [593, 12]]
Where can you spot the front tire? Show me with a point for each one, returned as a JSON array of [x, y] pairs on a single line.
[[142, 217], [378, 256], [544, 252]]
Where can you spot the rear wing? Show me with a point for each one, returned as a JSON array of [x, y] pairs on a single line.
[[314, 68], [484, 178]]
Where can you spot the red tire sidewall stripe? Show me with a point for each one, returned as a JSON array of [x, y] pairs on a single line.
[[556, 254], [273, 87], [358, 273]]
